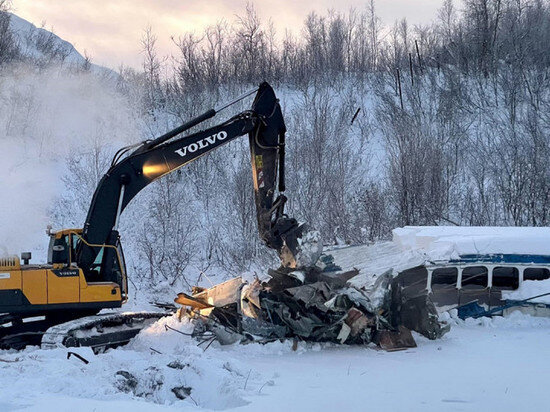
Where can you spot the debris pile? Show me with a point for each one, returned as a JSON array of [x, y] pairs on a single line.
[[311, 304]]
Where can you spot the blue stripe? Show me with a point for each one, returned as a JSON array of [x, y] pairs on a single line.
[[503, 258]]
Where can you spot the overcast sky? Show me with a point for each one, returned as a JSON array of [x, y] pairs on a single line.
[[110, 30]]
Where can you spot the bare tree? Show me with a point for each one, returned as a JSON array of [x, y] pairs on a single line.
[[8, 47], [167, 239], [151, 69]]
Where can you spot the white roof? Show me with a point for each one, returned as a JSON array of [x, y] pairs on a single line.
[[415, 245], [450, 242]]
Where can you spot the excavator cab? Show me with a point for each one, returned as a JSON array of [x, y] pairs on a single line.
[[62, 248], [109, 264]]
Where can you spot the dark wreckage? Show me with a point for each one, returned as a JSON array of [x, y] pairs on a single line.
[[317, 303]]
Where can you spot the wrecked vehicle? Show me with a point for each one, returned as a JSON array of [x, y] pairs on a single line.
[[316, 304]]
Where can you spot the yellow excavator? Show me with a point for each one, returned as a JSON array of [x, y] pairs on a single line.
[[86, 273]]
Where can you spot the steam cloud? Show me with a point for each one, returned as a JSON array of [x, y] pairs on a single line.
[[45, 118]]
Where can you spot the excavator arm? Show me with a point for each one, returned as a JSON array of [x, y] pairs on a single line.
[[151, 160], [267, 150]]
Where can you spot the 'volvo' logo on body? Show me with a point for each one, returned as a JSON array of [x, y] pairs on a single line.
[[201, 144]]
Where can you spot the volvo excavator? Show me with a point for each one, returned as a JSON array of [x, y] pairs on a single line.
[[58, 302]]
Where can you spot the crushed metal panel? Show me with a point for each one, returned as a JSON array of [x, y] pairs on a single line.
[[298, 323], [379, 292], [262, 329], [186, 300], [250, 299], [337, 279], [313, 294], [358, 298], [417, 313], [280, 280], [223, 294], [400, 339]]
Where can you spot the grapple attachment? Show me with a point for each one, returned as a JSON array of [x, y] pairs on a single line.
[[267, 149]]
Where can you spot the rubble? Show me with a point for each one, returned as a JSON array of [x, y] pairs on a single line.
[[315, 303], [182, 392]]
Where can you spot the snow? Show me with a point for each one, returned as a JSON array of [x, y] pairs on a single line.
[[50, 118], [159, 359], [496, 364], [26, 33], [448, 242], [414, 246], [477, 366], [373, 260], [528, 289]]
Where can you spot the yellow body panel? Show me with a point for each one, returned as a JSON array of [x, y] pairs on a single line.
[[10, 279], [35, 286], [100, 292], [58, 285], [63, 289]]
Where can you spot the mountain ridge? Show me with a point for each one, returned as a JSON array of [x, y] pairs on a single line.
[[44, 45]]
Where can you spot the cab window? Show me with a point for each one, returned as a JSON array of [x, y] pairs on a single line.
[[59, 250]]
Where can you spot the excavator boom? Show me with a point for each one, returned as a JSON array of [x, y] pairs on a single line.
[[265, 126]]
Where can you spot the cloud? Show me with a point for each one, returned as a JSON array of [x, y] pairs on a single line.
[[110, 31]]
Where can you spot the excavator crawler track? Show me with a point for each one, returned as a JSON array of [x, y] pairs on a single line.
[[18, 331], [99, 332]]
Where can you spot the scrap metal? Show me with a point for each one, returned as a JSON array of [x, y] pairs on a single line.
[[314, 305]]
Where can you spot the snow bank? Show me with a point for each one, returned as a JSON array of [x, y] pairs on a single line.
[[528, 289], [160, 366]]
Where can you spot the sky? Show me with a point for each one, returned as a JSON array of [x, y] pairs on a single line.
[[110, 30]]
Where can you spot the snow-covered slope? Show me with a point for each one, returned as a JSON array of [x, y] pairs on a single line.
[[41, 44]]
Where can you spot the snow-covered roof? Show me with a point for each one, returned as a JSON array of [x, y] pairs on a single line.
[[452, 242], [373, 260], [414, 246]]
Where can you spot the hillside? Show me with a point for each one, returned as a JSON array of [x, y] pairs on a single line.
[[44, 46]]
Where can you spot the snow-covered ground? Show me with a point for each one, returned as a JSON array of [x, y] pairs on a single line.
[[498, 364]]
